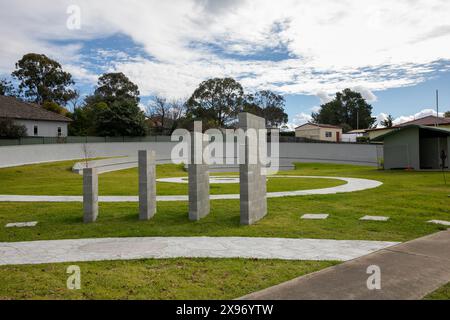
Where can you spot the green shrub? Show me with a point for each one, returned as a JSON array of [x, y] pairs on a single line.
[[9, 130]]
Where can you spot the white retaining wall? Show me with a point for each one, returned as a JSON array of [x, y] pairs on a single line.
[[358, 154]]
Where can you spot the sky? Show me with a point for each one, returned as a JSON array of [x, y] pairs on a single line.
[[395, 53]]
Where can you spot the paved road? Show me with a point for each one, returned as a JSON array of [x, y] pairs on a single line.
[[409, 271], [39, 252]]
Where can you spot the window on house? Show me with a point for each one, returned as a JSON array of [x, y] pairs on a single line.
[[36, 130], [329, 134], [59, 131]]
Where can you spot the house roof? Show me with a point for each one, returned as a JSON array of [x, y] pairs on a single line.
[[12, 108], [425, 121], [357, 131], [319, 125], [398, 129]]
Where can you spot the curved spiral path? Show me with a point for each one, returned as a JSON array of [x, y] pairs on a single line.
[[352, 185]]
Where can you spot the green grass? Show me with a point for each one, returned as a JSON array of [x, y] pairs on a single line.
[[58, 179], [190, 279], [409, 198], [441, 294]]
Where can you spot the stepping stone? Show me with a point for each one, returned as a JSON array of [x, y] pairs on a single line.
[[441, 222], [374, 218], [22, 225], [315, 216]]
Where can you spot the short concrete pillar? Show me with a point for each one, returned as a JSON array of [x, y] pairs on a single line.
[[252, 175], [199, 205], [147, 185], [90, 195]]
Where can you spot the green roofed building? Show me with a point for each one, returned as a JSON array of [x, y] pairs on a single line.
[[416, 147]]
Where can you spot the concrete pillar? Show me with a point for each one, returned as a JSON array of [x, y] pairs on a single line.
[[147, 185], [90, 195], [253, 182], [199, 205]]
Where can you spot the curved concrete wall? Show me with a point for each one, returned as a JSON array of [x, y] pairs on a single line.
[[296, 152]]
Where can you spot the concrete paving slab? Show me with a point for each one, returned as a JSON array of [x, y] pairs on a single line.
[[22, 224], [409, 271], [315, 216], [375, 218], [441, 222]]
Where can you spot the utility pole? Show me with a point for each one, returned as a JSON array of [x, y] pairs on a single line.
[[437, 108], [357, 119]]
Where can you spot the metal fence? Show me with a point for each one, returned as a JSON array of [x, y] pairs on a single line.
[[65, 140]]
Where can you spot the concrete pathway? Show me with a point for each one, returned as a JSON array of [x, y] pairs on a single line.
[[39, 252], [409, 271], [352, 185]]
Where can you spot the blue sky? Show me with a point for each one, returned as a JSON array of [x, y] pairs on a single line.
[[395, 53]]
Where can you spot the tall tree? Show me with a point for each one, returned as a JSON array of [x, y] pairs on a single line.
[[159, 110], [6, 88], [447, 114], [85, 119], [216, 101], [113, 87], [268, 105], [42, 79], [349, 110], [121, 118], [165, 114], [113, 109], [388, 122]]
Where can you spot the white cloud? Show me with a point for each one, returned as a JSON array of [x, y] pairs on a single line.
[[380, 118], [299, 120], [420, 114], [366, 45], [406, 118], [316, 109], [81, 74], [367, 94], [324, 97]]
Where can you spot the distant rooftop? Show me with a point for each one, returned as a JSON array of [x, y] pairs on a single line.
[[319, 125], [425, 121], [12, 108]]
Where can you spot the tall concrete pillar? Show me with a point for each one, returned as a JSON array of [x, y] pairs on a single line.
[[147, 185], [253, 181], [199, 205], [90, 195]]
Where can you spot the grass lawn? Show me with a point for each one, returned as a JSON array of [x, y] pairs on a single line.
[[409, 198], [58, 179], [190, 279], [441, 294]]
